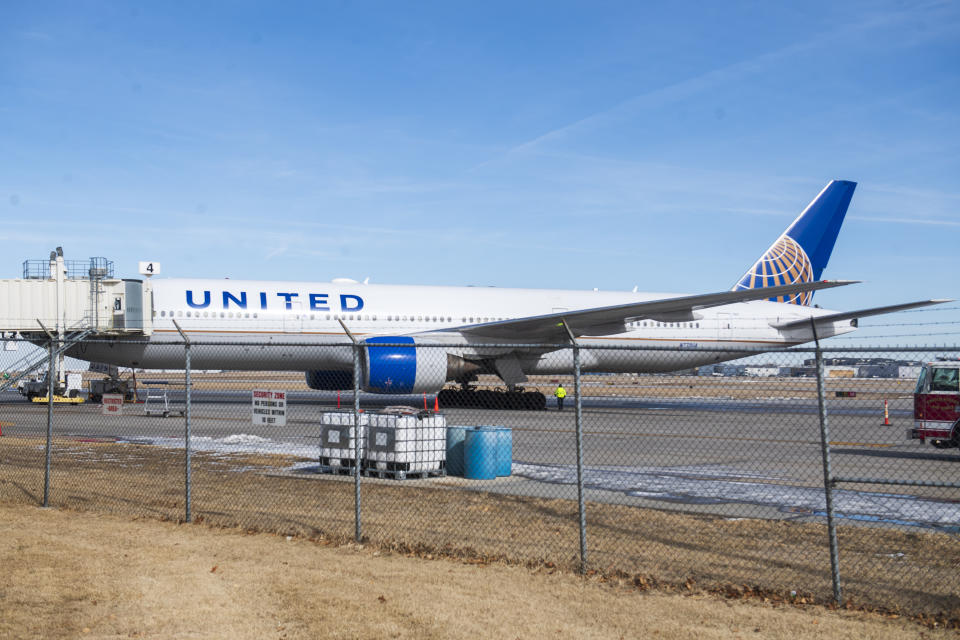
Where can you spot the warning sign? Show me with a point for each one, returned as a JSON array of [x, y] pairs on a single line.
[[112, 404], [269, 407]]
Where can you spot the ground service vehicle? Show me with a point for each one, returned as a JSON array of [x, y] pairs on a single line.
[[97, 388], [936, 405], [37, 387]]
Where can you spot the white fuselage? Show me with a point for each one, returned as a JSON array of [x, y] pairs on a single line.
[[295, 326]]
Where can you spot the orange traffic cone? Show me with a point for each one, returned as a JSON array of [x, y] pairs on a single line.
[[436, 403], [886, 414], [424, 401]]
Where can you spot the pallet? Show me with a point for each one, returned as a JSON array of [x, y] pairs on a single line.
[[336, 470], [400, 471], [345, 467]]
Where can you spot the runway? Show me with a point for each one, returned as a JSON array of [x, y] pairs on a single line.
[[738, 458]]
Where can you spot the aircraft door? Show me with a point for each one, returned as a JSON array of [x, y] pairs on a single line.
[[725, 326], [119, 320]]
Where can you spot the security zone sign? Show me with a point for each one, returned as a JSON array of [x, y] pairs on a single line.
[[112, 404], [270, 407]]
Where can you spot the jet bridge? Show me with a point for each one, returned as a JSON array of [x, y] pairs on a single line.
[[67, 302], [60, 297]]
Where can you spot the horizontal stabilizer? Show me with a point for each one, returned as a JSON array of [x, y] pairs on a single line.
[[607, 320], [859, 313]]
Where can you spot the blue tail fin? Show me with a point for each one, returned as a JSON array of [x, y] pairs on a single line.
[[801, 253]]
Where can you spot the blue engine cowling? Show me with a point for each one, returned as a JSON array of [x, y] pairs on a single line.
[[330, 380], [402, 369]]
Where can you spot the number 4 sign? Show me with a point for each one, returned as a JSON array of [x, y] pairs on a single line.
[[149, 268]]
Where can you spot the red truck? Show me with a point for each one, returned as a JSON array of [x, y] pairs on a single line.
[[936, 405]]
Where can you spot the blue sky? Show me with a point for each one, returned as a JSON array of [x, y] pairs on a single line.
[[540, 144]]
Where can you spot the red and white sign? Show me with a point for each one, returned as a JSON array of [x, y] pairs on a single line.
[[269, 407], [112, 404]]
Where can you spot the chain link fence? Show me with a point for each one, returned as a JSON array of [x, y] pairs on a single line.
[[785, 473]]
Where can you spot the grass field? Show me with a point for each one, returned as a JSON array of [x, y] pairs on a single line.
[[893, 570], [90, 575]]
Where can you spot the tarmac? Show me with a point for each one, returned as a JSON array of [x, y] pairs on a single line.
[[735, 458]]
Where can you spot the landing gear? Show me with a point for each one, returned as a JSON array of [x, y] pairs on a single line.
[[492, 399]]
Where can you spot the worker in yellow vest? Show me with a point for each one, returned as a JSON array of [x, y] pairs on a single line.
[[561, 393]]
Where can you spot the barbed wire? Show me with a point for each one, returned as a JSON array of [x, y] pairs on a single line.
[[907, 324], [901, 335], [929, 309]]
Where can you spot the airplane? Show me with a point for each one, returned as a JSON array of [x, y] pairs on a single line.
[[416, 339]]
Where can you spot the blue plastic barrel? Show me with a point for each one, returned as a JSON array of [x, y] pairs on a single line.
[[504, 451], [455, 438], [480, 454]]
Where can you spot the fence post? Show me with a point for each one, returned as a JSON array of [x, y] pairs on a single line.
[[358, 433], [827, 472], [51, 386], [186, 426], [578, 413]]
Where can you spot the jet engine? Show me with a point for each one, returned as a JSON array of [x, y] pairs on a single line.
[[320, 380], [402, 369], [405, 367]]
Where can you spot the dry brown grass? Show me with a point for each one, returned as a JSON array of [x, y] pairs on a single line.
[[86, 575], [630, 546]]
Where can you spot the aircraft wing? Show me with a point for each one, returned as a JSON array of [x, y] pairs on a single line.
[[859, 313], [610, 320]]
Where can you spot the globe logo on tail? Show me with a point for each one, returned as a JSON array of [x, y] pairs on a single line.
[[784, 263]]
